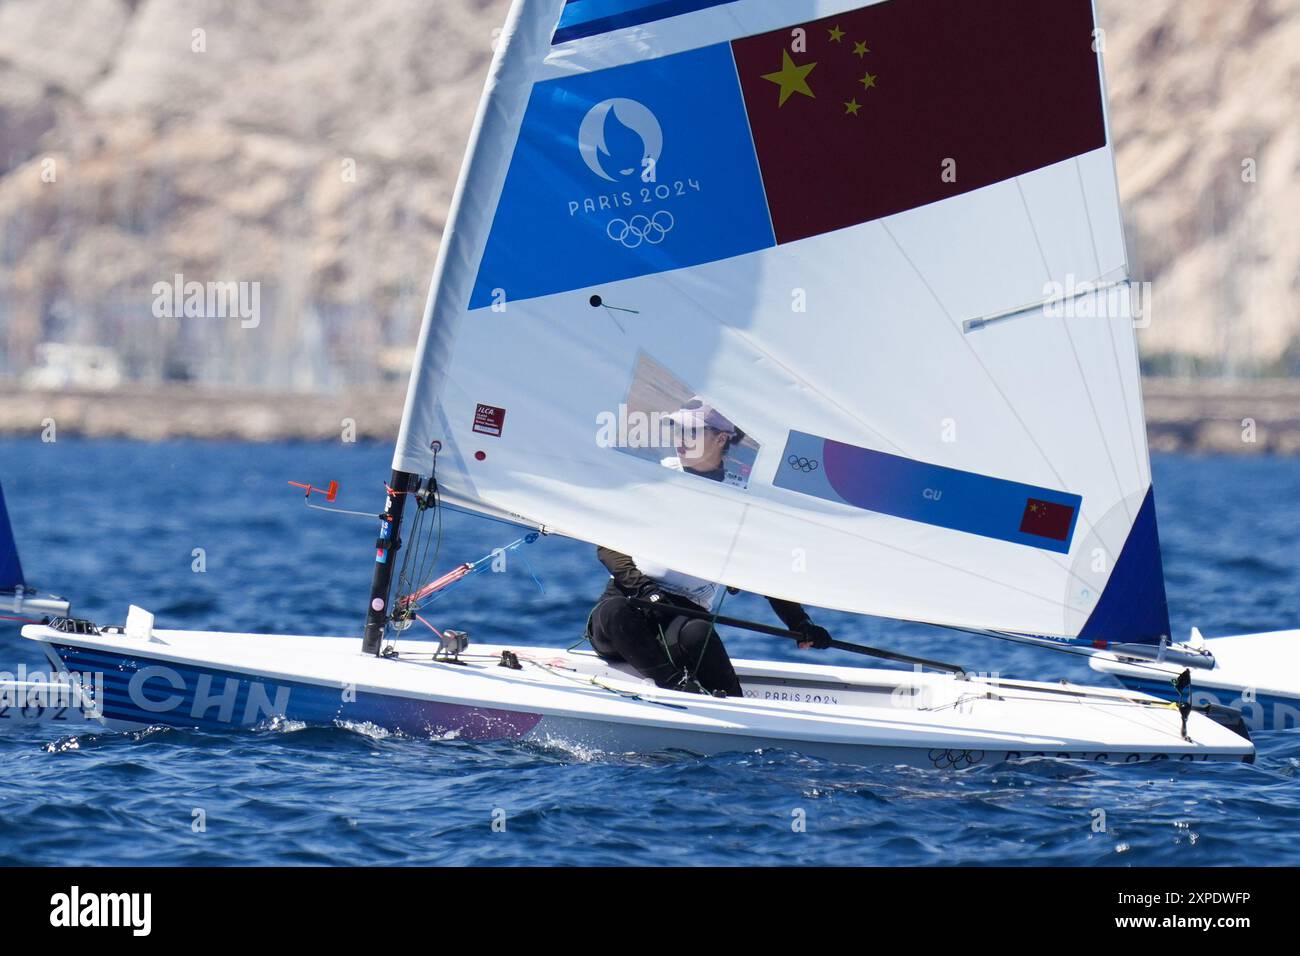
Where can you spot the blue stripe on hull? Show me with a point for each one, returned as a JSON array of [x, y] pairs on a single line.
[[143, 691], [1265, 712]]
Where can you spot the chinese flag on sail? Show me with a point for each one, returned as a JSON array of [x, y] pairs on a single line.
[[903, 103], [1047, 519]]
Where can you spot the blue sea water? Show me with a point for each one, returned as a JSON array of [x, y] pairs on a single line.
[[108, 523]]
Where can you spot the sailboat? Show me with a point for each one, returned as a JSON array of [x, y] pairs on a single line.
[[1257, 675], [18, 599], [38, 700], [884, 241]]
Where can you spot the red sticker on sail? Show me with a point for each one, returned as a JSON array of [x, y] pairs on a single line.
[[1047, 519], [489, 420]]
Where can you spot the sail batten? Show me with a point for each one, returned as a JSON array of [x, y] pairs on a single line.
[[809, 219]]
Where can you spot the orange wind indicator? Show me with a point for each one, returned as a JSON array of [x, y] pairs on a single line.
[[331, 491]]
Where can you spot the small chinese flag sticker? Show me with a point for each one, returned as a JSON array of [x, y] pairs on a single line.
[[1047, 519]]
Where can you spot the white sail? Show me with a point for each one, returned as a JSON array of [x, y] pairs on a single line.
[[668, 201]]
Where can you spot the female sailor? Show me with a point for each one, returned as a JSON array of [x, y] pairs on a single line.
[[676, 650]]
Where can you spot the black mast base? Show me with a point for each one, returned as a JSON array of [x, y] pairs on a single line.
[[386, 548]]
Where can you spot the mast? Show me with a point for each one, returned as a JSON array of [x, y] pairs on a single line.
[[523, 44], [386, 547], [524, 39]]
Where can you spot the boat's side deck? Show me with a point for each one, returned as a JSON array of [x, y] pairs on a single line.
[[762, 682], [1032, 710]]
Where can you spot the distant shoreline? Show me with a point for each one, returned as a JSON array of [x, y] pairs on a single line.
[[1196, 415]]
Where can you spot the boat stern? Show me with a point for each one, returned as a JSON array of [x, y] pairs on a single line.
[[1255, 675]]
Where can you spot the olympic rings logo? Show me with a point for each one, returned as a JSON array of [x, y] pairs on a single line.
[[802, 464], [956, 759], [631, 233]]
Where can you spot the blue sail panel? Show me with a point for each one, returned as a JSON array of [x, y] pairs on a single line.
[[589, 198], [11, 570], [586, 18], [931, 494], [1134, 608]]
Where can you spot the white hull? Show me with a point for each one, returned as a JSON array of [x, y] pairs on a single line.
[[214, 680], [1258, 674]]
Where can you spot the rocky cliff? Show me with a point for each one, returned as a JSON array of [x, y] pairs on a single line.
[[313, 146]]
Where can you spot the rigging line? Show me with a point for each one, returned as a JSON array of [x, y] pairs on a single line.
[[1071, 650], [459, 573], [531, 573], [954, 704], [487, 517], [403, 573], [1074, 351], [430, 627], [435, 535], [1117, 702], [1069, 692], [735, 538], [418, 549], [422, 559], [1066, 692], [419, 559], [593, 681], [478, 568], [342, 511], [21, 620], [1119, 713], [713, 622], [437, 517]]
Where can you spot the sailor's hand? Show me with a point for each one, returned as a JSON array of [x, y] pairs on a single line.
[[654, 595], [814, 636]]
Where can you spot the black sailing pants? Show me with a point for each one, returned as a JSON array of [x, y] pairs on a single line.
[[688, 646]]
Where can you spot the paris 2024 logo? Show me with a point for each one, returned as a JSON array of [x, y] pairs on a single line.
[[621, 140]]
